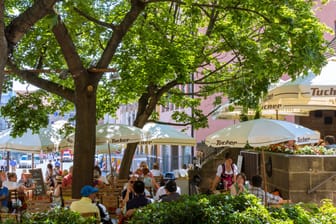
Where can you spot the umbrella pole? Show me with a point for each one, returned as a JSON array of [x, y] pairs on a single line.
[[264, 175], [109, 150], [33, 162]]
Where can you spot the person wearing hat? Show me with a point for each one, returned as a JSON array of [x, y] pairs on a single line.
[[57, 168], [171, 194], [85, 204], [161, 192]]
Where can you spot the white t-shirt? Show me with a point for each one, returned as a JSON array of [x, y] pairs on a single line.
[[220, 170], [156, 173], [11, 185]]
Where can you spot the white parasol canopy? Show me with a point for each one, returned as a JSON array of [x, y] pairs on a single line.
[[261, 132], [111, 134], [166, 135], [231, 111], [118, 134], [311, 92], [28, 142]]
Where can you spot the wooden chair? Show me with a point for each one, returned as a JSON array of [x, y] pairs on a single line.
[[35, 206], [9, 216], [67, 192]]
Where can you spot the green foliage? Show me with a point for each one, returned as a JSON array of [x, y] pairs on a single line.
[[212, 209], [30, 108], [172, 46], [227, 209], [56, 216]]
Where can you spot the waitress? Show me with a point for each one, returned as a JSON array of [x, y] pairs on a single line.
[[226, 174]]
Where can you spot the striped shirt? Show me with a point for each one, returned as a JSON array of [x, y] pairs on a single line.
[[260, 193]]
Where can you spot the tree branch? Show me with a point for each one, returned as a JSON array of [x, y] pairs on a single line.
[[184, 124], [21, 24], [47, 85], [119, 32], [68, 48], [94, 20]]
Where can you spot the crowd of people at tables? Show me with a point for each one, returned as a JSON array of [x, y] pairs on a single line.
[[141, 189], [228, 179]]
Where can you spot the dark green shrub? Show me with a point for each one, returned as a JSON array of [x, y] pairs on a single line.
[[212, 209], [56, 216], [226, 209]]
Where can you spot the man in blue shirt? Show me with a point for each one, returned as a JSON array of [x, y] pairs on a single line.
[[4, 193]]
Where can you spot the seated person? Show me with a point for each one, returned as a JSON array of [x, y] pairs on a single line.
[[97, 178], [27, 183], [171, 194], [57, 193], [239, 186], [128, 192], [67, 179], [150, 183], [161, 192], [260, 193], [156, 171], [85, 204], [4, 194], [329, 142], [18, 190], [140, 199], [104, 214], [11, 182]]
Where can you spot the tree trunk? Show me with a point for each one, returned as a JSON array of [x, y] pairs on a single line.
[[140, 121], [85, 135], [3, 46], [126, 161]]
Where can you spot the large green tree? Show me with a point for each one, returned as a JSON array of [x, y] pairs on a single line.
[[74, 50]]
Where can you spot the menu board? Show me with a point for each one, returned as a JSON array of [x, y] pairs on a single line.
[[38, 180]]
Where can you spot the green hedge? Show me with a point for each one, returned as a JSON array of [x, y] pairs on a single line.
[[223, 208], [54, 216]]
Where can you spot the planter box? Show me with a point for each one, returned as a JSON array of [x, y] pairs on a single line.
[[301, 178]]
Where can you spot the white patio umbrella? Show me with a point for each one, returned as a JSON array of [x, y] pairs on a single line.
[[161, 134], [113, 134], [311, 92], [28, 142], [118, 134], [231, 111], [261, 132]]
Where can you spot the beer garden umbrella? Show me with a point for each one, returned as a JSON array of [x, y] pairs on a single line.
[[111, 134], [161, 134], [28, 142], [110, 137], [232, 111], [261, 132], [307, 92]]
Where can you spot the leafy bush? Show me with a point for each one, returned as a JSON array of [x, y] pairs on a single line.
[[227, 209], [56, 216]]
